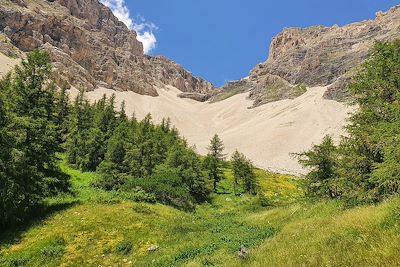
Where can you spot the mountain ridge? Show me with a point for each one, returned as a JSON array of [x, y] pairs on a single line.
[[90, 47], [316, 56]]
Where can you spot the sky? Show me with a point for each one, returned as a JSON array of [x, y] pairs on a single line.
[[222, 40]]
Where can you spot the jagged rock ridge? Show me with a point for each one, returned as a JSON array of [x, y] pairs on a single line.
[[90, 47], [318, 56]]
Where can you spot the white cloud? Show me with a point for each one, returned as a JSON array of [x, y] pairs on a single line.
[[144, 29]]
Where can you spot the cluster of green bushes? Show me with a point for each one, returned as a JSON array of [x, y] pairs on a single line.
[[128, 153], [30, 126], [365, 166]]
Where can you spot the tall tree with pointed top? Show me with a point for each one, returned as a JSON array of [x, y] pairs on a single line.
[[213, 161], [31, 129]]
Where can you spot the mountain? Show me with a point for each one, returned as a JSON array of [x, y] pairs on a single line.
[[90, 47], [290, 95], [315, 56]]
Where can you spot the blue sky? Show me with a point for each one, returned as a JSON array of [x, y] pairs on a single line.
[[222, 40]]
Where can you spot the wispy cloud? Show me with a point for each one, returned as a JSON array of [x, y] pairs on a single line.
[[144, 29]]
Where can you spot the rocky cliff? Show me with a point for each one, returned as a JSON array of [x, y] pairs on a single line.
[[90, 47], [318, 56]]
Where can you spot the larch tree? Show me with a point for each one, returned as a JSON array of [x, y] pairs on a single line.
[[214, 160]]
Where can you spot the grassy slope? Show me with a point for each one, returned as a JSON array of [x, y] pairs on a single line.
[[99, 228]]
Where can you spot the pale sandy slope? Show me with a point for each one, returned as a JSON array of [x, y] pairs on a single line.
[[267, 134], [6, 64]]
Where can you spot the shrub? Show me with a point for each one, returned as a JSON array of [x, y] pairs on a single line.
[[124, 248], [168, 187], [264, 201], [322, 161]]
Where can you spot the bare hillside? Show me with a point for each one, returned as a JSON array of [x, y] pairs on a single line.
[[267, 134]]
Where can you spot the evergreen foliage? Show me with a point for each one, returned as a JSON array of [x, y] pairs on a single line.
[[243, 173], [322, 161], [365, 167], [374, 130], [214, 160], [30, 120], [129, 154]]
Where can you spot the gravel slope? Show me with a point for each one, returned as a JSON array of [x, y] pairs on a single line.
[[268, 134]]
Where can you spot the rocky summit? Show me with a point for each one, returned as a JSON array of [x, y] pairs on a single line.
[[90, 47], [316, 56]]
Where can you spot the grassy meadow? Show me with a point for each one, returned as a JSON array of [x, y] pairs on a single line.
[[90, 227]]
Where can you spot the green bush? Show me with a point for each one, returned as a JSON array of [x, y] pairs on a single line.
[[168, 187], [264, 201], [55, 249], [124, 248]]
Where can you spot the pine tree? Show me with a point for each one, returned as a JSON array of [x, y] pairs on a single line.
[[188, 165], [30, 101], [62, 113], [322, 160], [166, 125], [370, 151], [237, 167], [122, 117], [243, 173], [8, 186], [80, 121], [213, 161], [106, 118], [216, 148]]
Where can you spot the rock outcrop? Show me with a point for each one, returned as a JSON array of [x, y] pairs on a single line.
[[90, 47], [315, 56], [8, 49], [319, 56]]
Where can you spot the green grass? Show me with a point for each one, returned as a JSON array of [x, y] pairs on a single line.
[[325, 234], [108, 229], [281, 90], [225, 95]]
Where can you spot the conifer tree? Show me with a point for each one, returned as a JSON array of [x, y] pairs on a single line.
[[369, 154], [322, 161], [62, 113], [166, 125], [237, 166], [213, 161], [31, 130], [122, 117], [8, 187], [188, 165], [243, 173]]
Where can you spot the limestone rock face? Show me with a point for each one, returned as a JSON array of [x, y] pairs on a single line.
[[195, 96], [319, 56], [8, 49], [90, 47], [169, 73]]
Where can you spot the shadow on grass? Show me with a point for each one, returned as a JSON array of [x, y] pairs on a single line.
[[12, 235]]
